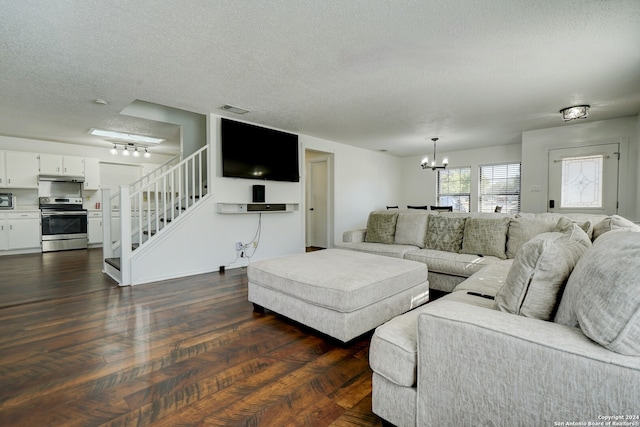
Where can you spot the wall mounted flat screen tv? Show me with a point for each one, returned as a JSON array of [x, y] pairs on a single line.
[[254, 152]]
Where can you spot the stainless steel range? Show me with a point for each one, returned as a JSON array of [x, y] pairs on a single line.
[[64, 223]]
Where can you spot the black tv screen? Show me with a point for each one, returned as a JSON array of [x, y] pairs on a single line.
[[254, 152]]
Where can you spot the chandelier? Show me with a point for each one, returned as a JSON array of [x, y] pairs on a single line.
[[432, 165], [575, 112], [129, 150]]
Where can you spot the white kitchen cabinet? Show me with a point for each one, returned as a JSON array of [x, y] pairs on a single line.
[[53, 164], [91, 174], [94, 227], [4, 232], [3, 171], [20, 230], [19, 169]]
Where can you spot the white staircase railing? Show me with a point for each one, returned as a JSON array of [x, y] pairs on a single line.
[[149, 205]]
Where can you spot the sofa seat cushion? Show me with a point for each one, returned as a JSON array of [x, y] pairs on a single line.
[[343, 281], [455, 264], [487, 281], [539, 272], [602, 296], [390, 250], [393, 350]]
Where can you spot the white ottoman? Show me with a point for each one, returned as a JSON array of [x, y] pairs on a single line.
[[338, 292]]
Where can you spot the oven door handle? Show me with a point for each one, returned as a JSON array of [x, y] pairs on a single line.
[[63, 213]]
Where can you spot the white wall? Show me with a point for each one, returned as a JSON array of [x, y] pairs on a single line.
[[420, 185], [363, 181], [536, 144]]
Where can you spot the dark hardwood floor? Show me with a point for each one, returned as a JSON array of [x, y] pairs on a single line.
[[76, 350]]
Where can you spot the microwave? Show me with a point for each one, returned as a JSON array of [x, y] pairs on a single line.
[[6, 201]]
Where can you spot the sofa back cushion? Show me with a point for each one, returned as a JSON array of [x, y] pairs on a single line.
[[445, 233], [539, 272], [485, 236], [381, 227], [411, 228], [602, 296], [614, 222], [524, 226]]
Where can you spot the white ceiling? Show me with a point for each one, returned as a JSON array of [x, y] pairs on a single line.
[[379, 74]]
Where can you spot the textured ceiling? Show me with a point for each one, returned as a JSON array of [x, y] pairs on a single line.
[[372, 73]]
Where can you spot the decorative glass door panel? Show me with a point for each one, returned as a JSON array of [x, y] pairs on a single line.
[[584, 179], [582, 182]]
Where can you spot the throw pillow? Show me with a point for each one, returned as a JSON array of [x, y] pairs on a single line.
[[445, 233], [381, 227], [411, 229], [614, 222], [539, 272], [485, 236], [602, 296]]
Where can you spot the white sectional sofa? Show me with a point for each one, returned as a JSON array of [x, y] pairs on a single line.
[[454, 245], [550, 335]]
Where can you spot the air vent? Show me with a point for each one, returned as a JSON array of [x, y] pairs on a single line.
[[233, 109]]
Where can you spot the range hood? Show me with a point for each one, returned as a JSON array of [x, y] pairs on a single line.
[[61, 178]]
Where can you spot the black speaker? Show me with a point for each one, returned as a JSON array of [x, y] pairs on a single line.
[[258, 194]]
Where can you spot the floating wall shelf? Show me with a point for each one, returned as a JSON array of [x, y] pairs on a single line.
[[236, 208]]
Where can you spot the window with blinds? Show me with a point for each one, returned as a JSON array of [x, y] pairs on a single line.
[[499, 187], [454, 188]]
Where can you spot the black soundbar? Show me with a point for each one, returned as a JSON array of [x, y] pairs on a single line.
[[262, 207]]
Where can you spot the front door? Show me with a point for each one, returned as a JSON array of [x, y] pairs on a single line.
[[584, 179]]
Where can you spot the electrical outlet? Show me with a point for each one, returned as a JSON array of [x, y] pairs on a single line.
[[238, 246]]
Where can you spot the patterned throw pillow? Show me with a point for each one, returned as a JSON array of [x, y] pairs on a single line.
[[445, 233], [539, 272], [381, 227], [486, 236]]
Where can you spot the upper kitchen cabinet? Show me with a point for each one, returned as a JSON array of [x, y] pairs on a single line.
[[52, 164], [91, 174], [18, 169]]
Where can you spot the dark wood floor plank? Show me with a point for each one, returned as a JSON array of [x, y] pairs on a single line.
[[76, 350]]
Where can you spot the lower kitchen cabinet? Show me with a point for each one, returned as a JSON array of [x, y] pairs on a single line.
[[94, 227], [20, 230]]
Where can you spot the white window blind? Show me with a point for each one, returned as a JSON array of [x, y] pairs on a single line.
[[454, 188], [500, 186]]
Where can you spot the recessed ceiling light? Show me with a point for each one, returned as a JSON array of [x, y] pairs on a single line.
[[129, 137], [234, 109], [100, 101]]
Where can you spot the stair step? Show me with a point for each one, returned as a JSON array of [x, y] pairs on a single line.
[[166, 220], [146, 233], [113, 262]]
